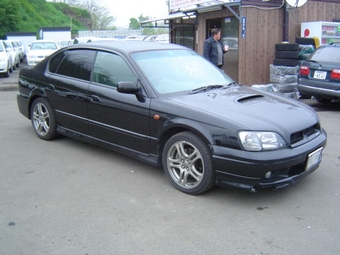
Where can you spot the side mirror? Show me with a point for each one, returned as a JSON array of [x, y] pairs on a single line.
[[128, 87]]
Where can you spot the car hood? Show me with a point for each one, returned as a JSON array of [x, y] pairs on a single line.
[[250, 109]]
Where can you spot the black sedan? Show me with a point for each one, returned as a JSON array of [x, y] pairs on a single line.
[[166, 105], [319, 74]]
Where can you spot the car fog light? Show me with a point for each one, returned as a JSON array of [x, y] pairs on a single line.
[[268, 174]]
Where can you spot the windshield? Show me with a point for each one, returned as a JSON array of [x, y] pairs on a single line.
[[43, 46], [171, 71], [327, 54]]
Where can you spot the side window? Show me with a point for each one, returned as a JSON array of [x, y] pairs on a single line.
[[55, 61], [77, 64], [109, 69]]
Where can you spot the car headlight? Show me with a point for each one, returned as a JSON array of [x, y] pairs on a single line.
[[261, 141], [32, 56]]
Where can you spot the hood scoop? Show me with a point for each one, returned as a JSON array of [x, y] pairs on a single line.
[[250, 99]]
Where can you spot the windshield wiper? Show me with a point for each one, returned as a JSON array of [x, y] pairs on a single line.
[[205, 88], [231, 83]]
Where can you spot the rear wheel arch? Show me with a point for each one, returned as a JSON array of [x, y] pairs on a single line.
[[33, 96]]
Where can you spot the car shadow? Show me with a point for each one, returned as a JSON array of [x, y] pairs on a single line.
[[333, 106]]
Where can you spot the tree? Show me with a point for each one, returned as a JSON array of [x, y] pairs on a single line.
[[100, 16], [134, 24], [9, 16]]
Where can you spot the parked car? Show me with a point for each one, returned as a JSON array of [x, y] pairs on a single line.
[[319, 74], [5, 60], [64, 43], [18, 45], [150, 38], [232, 42], [164, 104], [134, 38], [39, 50], [163, 38], [15, 56]]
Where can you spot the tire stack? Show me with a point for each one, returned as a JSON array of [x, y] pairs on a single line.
[[307, 46], [285, 68], [286, 54]]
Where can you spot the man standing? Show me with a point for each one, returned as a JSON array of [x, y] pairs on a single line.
[[214, 48]]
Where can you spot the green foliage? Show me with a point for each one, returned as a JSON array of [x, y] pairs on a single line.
[[134, 24], [31, 15], [9, 16]]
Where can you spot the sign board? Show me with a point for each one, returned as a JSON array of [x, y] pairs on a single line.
[[243, 27], [178, 4]]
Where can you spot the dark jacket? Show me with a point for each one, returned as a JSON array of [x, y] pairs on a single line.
[[210, 50]]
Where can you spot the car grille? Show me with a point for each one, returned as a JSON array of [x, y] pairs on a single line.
[[304, 135]]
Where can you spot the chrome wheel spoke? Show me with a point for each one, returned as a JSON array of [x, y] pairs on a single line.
[[185, 164], [41, 119]]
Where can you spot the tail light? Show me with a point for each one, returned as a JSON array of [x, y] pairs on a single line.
[[304, 70], [335, 75]]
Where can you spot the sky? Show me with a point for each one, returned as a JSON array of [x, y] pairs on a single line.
[[123, 10]]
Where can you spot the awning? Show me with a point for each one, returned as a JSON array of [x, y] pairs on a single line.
[[170, 16]]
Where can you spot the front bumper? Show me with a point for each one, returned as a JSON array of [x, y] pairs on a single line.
[[249, 170]]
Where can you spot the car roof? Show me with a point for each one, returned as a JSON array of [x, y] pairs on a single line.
[[128, 46]]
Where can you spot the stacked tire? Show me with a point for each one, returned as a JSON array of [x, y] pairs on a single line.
[[287, 54], [285, 68]]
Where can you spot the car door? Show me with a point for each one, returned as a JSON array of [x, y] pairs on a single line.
[[117, 118], [70, 73]]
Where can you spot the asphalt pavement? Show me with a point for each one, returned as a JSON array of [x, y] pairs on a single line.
[[11, 82], [66, 197]]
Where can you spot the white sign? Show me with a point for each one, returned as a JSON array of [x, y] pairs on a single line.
[[178, 4]]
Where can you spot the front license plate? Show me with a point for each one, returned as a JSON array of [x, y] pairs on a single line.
[[314, 158], [320, 75]]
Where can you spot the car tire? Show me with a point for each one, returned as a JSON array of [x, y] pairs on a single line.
[[287, 54], [187, 163], [17, 64], [286, 46], [305, 41], [43, 120], [286, 62]]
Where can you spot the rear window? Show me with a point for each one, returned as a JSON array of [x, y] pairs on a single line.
[[1, 47], [327, 54]]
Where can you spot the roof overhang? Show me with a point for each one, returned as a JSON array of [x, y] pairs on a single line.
[[170, 16], [164, 21], [192, 13]]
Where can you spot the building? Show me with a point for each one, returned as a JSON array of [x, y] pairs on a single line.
[[250, 27], [55, 33]]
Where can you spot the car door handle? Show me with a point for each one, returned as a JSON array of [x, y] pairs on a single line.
[[94, 98]]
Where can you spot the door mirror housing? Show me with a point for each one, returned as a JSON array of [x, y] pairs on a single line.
[[128, 87]]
